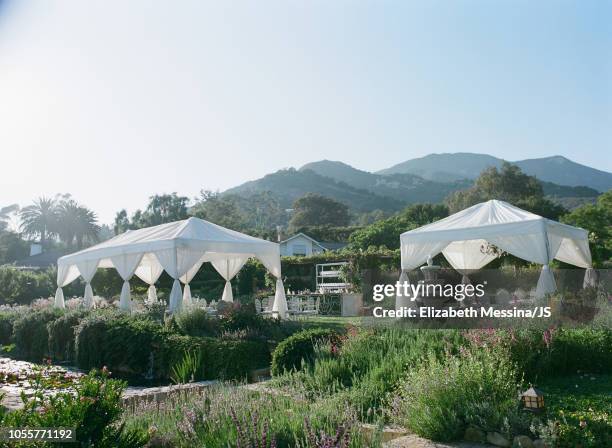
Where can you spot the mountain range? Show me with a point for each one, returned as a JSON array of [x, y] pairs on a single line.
[[426, 179]]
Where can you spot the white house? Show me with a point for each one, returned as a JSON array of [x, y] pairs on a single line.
[[300, 245]]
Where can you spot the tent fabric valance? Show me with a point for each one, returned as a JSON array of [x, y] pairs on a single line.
[[179, 248], [464, 236]]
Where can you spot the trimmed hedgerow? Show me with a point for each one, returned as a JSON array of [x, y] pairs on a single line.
[[61, 335], [31, 335], [289, 354], [122, 343], [136, 347]]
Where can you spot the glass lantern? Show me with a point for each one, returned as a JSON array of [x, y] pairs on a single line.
[[533, 400]]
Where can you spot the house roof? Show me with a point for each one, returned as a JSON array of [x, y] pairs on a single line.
[[325, 245], [40, 261], [305, 236]]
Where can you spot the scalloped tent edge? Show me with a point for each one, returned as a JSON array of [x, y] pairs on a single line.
[[179, 248], [521, 233]]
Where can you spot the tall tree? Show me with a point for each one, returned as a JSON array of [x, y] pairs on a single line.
[[5, 213], [161, 209], [597, 219], [508, 184], [165, 208], [317, 210], [221, 210], [77, 224], [386, 232], [39, 219]]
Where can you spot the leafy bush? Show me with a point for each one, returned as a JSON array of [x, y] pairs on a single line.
[[440, 399], [31, 335], [7, 320], [197, 322], [220, 359], [92, 409], [363, 367], [133, 346], [21, 287], [289, 354], [61, 335], [123, 343]]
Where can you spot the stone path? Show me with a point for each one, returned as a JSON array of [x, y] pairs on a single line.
[[413, 441]]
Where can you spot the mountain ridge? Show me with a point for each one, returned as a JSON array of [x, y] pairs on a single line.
[[556, 169], [390, 190]]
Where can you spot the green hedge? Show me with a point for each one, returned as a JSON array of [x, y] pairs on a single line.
[[120, 342], [31, 335], [137, 347], [289, 354], [61, 335], [221, 359], [7, 320]]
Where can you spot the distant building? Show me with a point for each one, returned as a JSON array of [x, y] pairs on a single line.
[[302, 245], [39, 259]]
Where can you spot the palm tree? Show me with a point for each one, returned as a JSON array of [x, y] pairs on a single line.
[[76, 223], [40, 218], [4, 215]]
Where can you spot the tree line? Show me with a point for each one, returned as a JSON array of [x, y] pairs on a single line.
[[74, 226]]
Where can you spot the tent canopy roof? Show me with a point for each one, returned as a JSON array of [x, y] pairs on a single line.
[[194, 233], [178, 247], [461, 238]]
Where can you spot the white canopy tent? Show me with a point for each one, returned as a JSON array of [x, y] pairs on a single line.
[[461, 236], [180, 248]]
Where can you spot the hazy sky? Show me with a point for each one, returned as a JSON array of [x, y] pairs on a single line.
[[114, 101]]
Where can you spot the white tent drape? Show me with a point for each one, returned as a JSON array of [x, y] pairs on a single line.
[[179, 248], [461, 236], [65, 275], [149, 271], [87, 270], [228, 269], [126, 265]]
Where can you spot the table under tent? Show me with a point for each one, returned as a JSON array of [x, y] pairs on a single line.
[[461, 236], [179, 248]]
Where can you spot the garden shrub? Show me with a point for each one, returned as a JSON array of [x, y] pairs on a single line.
[[132, 346], [21, 287], [197, 322], [289, 354], [367, 365], [562, 351], [438, 400], [221, 359], [122, 342], [7, 320], [31, 335], [62, 337], [93, 409]]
